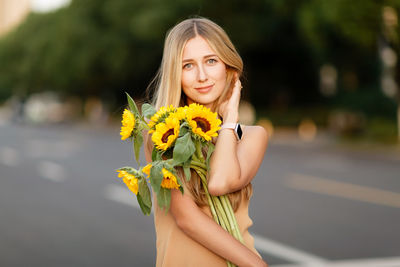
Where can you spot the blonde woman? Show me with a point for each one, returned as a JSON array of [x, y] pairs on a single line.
[[201, 65]]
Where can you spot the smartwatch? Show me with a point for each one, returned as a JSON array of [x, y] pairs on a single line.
[[235, 127]]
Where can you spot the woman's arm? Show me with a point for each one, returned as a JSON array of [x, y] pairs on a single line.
[[202, 229], [234, 164]]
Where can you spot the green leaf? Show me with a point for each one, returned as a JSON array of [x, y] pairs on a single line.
[[148, 110], [131, 170], [186, 170], [145, 209], [156, 155], [211, 148], [145, 196], [183, 129], [184, 148], [164, 198], [156, 176], [132, 105], [137, 143], [127, 169]]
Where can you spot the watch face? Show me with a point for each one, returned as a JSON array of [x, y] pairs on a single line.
[[239, 131]]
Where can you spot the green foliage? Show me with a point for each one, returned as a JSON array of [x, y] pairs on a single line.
[[184, 148], [210, 150], [148, 110], [137, 144], [156, 155], [381, 130], [139, 126], [164, 198], [99, 47], [156, 174], [186, 170], [132, 106], [144, 197]]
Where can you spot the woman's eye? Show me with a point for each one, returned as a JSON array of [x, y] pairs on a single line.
[[187, 66], [211, 61]]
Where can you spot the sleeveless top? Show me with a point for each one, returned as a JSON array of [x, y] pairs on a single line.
[[175, 248]]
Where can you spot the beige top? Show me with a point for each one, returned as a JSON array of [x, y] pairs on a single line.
[[175, 248]]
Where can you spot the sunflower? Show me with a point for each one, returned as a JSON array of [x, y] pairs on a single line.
[[180, 113], [169, 180], [166, 133], [161, 114], [128, 124], [130, 180], [146, 169], [203, 121]]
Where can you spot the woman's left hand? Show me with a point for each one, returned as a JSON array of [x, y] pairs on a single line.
[[229, 109]]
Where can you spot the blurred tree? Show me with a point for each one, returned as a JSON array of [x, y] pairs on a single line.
[[104, 47], [350, 36]]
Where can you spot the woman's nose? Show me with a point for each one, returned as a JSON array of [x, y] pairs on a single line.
[[202, 75]]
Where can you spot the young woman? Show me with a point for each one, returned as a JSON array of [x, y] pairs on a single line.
[[201, 65]]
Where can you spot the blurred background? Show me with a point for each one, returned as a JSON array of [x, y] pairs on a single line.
[[321, 76]]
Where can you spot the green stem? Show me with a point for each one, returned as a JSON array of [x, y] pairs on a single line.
[[212, 207], [216, 206], [198, 164], [228, 211], [144, 124], [236, 224], [220, 207], [222, 214], [228, 214], [210, 202], [231, 216], [195, 158], [198, 151]]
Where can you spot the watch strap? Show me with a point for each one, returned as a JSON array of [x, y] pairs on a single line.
[[235, 127], [228, 126]]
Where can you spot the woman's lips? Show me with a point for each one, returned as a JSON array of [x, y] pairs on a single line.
[[204, 89]]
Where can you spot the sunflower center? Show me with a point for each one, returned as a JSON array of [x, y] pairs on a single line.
[[203, 124], [164, 138]]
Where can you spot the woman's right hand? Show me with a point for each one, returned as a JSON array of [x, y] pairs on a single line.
[[229, 109]]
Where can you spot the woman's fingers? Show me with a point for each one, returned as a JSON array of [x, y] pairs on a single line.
[[231, 104], [235, 97]]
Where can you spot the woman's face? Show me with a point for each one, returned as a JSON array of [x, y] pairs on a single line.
[[203, 73]]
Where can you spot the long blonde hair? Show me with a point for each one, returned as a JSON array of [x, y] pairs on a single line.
[[167, 82]]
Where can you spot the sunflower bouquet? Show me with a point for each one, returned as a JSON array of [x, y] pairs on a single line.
[[179, 136]]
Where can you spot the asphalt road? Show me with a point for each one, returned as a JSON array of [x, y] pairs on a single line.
[[314, 204]]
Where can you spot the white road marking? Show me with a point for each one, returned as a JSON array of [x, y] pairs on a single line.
[[285, 252], [379, 262], [122, 195], [9, 156], [51, 171], [344, 190]]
